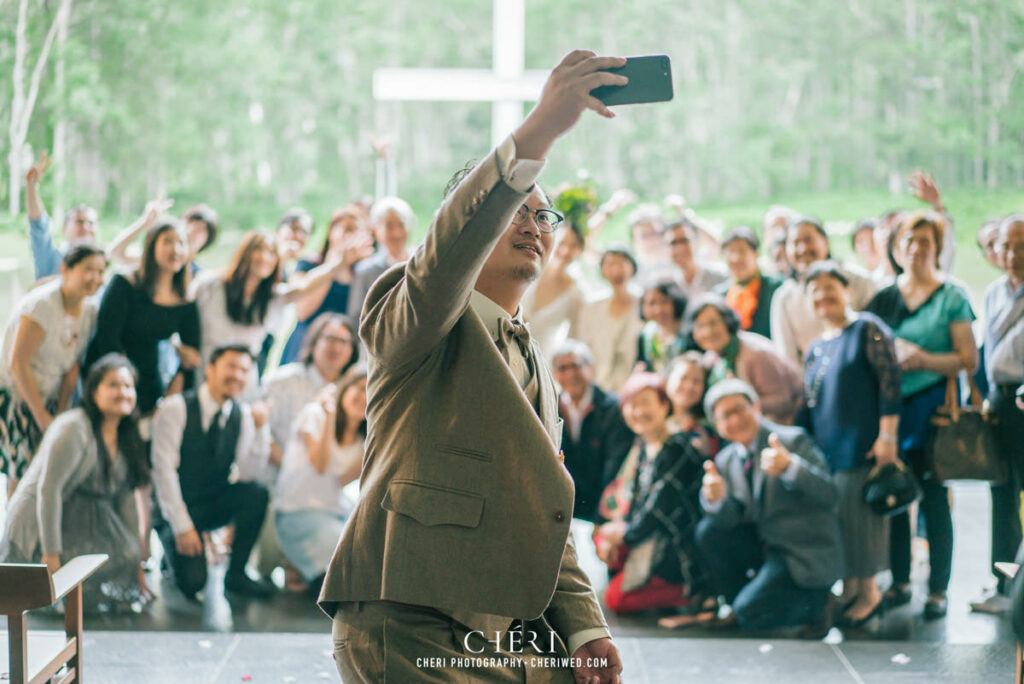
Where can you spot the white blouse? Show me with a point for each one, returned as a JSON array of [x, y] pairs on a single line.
[[299, 486], [217, 328], [62, 347]]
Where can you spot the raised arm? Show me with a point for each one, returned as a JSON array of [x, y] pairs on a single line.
[[404, 320], [117, 250]]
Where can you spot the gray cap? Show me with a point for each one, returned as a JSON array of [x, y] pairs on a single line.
[[727, 388]]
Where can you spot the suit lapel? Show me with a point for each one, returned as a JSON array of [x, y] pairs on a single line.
[[547, 395], [546, 414]]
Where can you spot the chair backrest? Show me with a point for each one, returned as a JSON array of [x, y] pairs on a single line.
[[24, 587]]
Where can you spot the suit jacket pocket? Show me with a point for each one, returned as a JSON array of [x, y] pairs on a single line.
[[432, 505]]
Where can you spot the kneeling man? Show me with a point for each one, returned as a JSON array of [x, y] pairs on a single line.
[[771, 510]]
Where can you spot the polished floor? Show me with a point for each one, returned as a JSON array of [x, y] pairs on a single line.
[[226, 639]]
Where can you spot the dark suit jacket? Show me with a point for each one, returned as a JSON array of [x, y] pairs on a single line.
[[464, 505], [363, 275], [761, 323], [594, 459], [799, 518]]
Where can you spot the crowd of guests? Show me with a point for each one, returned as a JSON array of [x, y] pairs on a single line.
[[725, 400]]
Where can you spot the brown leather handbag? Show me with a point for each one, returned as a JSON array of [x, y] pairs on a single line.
[[962, 446]]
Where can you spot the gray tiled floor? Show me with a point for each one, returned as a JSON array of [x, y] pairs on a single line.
[[203, 658], [224, 640]]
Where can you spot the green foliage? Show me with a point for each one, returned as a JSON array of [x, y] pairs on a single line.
[[576, 203]]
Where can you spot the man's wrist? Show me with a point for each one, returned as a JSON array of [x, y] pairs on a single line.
[[531, 144]]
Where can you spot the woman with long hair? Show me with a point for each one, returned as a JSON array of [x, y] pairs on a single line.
[[145, 306], [247, 301], [348, 241], [42, 345], [325, 454], [77, 497]]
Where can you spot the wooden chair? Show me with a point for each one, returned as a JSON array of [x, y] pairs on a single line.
[[35, 659]]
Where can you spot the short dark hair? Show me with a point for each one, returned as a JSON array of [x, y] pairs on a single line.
[[743, 234], [716, 302], [80, 251], [622, 250], [670, 289], [829, 268], [129, 441], [206, 214], [316, 329], [223, 349]]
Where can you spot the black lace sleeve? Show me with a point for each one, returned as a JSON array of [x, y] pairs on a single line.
[[881, 354]]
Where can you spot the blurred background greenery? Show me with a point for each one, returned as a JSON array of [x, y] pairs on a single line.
[[255, 106]]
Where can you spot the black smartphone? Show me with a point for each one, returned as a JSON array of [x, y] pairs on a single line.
[[650, 80]]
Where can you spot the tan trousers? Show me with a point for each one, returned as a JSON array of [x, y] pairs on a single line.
[[378, 642]]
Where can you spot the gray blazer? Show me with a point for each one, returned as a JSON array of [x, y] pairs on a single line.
[[67, 455], [464, 503], [797, 518]]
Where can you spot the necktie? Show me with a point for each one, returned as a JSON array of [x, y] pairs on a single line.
[[509, 330], [215, 427]]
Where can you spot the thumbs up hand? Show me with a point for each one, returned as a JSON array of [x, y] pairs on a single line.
[[713, 485], [776, 458]]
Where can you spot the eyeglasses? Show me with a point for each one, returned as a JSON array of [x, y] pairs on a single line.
[[546, 219], [337, 339]]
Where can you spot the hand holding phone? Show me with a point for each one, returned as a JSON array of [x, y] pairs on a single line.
[[650, 80]]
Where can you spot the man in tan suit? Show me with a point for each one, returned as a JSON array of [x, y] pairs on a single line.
[[457, 564]]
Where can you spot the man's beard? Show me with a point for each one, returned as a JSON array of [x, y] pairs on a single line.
[[524, 273]]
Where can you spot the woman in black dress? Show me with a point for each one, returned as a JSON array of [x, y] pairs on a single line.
[[144, 307]]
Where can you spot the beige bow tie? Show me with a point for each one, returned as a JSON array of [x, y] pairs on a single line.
[[509, 330]]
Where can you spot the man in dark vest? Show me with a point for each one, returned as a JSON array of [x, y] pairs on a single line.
[[208, 453], [595, 439]]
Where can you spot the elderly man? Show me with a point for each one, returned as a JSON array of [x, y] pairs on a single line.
[[459, 547], [595, 439], [1004, 368], [391, 219], [748, 292], [771, 510]]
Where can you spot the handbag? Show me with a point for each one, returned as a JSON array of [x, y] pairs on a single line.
[[890, 488], [962, 445]]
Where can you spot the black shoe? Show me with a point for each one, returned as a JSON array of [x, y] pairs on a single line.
[[239, 583], [896, 596], [845, 621], [818, 630], [935, 607]]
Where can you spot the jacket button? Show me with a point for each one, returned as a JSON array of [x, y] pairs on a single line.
[[559, 516]]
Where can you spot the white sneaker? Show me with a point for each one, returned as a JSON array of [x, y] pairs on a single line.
[[994, 604]]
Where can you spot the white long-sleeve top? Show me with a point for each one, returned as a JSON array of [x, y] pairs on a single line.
[[251, 451]]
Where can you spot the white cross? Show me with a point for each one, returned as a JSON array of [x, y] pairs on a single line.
[[507, 86]]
